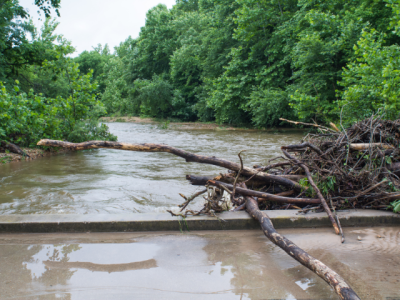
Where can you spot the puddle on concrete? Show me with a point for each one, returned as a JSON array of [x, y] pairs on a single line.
[[195, 265], [115, 181]]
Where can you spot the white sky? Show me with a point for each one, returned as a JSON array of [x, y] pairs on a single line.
[[89, 22]]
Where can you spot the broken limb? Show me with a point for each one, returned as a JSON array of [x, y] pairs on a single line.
[[188, 156], [264, 196], [340, 286], [316, 189]]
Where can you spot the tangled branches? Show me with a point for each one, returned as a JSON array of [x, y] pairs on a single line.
[[356, 168]]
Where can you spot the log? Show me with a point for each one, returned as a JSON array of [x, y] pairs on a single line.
[[272, 166], [285, 194], [264, 196], [13, 148], [188, 156], [371, 145], [199, 180], [308, 124], [202, 180], [340, 286], [334, 127]]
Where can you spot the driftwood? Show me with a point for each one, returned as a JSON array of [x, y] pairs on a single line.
[[316, 189], [188, 156], [273, 183], [190, 199], [343, 290], [366, 146], [264, 196], [13, 148], [309, 124], [199, 180], [227, 178]]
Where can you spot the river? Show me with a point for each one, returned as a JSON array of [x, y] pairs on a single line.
[[115, 181]]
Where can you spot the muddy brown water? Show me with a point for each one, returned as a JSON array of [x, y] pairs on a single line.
[[115, 181], [195, 265]]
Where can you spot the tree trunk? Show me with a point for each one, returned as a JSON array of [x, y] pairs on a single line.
[[331, 277], [264, 196], [13, 148]]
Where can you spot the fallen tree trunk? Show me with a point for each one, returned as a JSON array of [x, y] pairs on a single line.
[[188, 156], [199, 180], [343, 290], [13, 148], [202, 180], [366, 146], [264, 196]]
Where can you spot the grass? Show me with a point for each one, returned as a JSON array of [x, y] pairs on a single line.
[[120, 120], [5, 159]]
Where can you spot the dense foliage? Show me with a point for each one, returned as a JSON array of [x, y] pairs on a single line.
[[241, 62], [43, 94], [248, 62]]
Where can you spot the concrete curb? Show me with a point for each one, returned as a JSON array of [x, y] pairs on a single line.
[[164, 222]]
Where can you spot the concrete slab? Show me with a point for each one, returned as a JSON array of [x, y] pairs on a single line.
[[215, 265], [165, 222]]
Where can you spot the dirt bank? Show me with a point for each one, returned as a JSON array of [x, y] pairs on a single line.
[[32, 152], [171, 125]]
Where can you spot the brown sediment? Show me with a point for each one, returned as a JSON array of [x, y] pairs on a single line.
[[32, 152]]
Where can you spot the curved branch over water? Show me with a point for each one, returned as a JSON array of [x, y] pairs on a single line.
[[188, 156]]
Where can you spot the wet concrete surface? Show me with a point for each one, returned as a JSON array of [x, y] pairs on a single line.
[[239, 220], [196, 265]]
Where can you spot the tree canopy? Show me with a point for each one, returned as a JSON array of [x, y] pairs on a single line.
[[43, 94], [242, 62], [248, 62]]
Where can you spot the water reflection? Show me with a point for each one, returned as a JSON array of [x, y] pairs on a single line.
[[202, 265], [114, 181]]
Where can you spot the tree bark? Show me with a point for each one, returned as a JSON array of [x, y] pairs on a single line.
[[264, 196], [371, 145], [202, 180], [13, 148], [199, 180], [188, 156], [343, 290]]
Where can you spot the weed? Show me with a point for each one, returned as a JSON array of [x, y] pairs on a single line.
[[164, 125]]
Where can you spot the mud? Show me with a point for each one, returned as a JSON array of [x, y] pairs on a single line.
[[34, 153]]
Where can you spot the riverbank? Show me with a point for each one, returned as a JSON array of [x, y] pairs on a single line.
[[165, 124], [32, 152]]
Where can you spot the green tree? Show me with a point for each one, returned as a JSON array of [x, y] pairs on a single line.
[[372, 79]]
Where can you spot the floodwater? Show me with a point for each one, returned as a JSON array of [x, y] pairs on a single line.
[[115, 181], [195, 265]]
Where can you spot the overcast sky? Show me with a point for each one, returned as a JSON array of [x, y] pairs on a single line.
[[89, 22]]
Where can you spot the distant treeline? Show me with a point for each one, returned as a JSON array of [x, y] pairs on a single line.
[[249, 62]]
